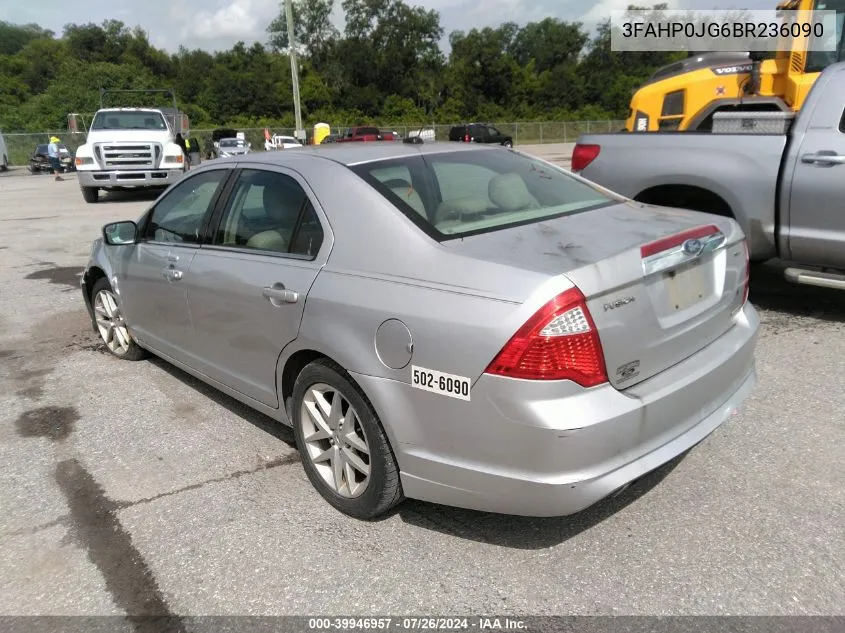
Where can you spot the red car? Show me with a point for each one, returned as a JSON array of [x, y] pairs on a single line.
[[361, 133]]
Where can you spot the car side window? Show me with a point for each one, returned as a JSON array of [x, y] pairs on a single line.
[[264, 214], [178, 217]]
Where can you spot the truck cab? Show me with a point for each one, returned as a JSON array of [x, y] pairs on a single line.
[[685, 95], [131, 148]]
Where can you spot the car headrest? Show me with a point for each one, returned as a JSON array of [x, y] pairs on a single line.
[[269, 241], [405, 190], [508, 192]]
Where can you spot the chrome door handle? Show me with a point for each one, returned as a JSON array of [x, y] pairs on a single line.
[[173, 275], [278, 293], [828, 158]]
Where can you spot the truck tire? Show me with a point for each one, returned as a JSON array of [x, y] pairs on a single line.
[[90, 194]]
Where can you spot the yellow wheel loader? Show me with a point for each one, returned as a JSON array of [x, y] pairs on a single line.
[[686, 94]]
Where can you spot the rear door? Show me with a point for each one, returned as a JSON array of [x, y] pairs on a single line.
[[494, 135], [248, 286]]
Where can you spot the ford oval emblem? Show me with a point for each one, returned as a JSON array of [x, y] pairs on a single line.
[[693, 247]]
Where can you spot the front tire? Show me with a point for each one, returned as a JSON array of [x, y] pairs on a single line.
[[4, 164], [90, 194], [108, 318], [345, 451]]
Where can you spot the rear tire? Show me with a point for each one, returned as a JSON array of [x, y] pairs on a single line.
[[508, 143], [110, 324], [345, 451], [90, 194]]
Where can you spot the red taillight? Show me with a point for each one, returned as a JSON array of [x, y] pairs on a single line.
[[559, 342], [583, 155], [664, 244], [747, 272]]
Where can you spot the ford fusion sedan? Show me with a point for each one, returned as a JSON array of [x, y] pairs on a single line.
[[456, 323]]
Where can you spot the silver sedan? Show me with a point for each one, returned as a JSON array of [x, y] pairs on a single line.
[[455, 323]]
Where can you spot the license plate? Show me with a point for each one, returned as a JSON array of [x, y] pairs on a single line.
[[685, 287]]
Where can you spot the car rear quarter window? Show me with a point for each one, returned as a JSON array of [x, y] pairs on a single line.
[[456, 194]]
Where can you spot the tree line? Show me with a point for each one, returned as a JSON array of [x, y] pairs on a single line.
[[386, 66]]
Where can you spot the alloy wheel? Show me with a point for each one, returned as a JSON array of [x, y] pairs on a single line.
[[110, 322], [335, 441]]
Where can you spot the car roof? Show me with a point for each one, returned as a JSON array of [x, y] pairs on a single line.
[[363, 152]]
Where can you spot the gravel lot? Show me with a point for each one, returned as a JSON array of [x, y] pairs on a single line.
[[132, 487]]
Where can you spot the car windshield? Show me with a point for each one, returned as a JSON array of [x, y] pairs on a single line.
[[818, 60], [457, 194], [114, 120], [231, 142]]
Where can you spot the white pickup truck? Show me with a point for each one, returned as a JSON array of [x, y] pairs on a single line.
[[130, 148]]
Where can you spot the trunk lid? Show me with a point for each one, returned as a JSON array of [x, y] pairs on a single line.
[[660, 283]]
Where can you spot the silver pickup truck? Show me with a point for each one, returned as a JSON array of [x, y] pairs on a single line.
[[787, 190]]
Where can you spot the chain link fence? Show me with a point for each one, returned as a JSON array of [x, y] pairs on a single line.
[[22, 146]]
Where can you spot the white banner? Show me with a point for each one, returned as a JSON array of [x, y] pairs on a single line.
[[724, 30]]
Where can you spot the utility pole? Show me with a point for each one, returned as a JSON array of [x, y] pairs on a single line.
[[294, 70]]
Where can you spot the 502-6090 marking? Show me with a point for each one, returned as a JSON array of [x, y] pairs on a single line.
[[440, 382]]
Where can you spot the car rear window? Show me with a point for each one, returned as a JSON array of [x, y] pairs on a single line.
[[457, 194]]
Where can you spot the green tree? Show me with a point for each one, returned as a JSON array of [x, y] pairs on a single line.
[[312, 27], [386, 66], [14, 37]]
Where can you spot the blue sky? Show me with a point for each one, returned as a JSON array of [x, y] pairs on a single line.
[[217, 24]]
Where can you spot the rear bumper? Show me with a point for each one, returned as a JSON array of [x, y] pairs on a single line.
[[540, 449], [129, 178]]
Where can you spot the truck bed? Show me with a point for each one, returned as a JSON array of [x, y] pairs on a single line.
[[741, 169]]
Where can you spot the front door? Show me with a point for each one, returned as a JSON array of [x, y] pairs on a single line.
[[153, 275], [816, 223], [248, 286]]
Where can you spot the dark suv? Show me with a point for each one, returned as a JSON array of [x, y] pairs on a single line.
[[479, 133]]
